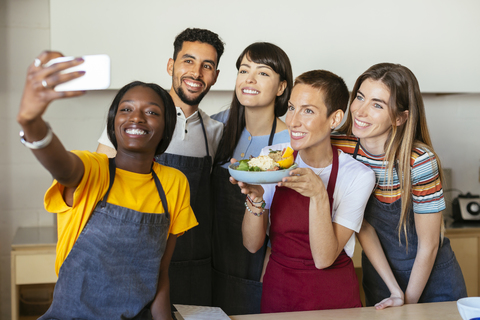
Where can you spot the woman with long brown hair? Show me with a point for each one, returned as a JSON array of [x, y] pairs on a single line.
[[262, 89], [406, 259]]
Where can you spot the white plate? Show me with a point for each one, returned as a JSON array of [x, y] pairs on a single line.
[[259, 177]]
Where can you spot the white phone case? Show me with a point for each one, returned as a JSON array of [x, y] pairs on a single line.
[[96, 77]]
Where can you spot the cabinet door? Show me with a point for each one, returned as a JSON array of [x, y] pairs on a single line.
[[35, 268], [466, 251]]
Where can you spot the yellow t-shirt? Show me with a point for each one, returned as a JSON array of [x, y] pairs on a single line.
[[131, 190]]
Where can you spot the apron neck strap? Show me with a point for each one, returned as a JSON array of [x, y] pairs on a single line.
[[332, 181], [112, 168], [356, 149], [272, 133], [161, 193], [204, 132]]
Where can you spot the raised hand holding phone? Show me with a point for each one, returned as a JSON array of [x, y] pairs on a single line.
[[97, 73], [38, 91]]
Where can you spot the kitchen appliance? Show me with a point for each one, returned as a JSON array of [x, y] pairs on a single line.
[[466, 207]]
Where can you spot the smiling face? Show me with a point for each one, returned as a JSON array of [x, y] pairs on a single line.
[[140, 120], [307, 120], [257, 85], [371, 116], [193, 72]]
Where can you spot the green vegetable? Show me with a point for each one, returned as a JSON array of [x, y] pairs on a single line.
[[243, 166]]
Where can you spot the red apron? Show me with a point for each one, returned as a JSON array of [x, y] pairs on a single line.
[[291, 281]]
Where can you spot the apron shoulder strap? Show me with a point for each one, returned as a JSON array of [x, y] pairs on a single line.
[[161, 193], [332, 181], [204, 132], [272, 133], [356, 150]]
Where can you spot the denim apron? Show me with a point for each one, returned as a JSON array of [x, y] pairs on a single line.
[[291, 281], [236, 272], [191, 267], [105, 275], [446, 281]]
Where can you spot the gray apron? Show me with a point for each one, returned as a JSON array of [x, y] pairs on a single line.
[[236, 272], [446, 281], [105, 275], [191, 267]]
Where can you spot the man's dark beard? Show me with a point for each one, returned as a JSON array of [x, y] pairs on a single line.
[[186, 100]]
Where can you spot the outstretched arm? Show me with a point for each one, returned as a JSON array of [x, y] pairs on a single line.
[[38, 92]]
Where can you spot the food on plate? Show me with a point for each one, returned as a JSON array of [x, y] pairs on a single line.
[[275, 160], [263, 163], [284, 158]]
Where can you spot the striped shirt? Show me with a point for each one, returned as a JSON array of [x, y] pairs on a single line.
[[427, 192]]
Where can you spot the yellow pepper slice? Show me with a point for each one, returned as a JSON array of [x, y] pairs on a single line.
[[287, 158]]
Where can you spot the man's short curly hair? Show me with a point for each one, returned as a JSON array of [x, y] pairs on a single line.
[[201, 35]]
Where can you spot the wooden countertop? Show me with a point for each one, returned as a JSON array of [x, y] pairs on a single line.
[[422, 311]]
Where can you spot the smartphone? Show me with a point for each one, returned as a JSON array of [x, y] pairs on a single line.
[[96, 77]]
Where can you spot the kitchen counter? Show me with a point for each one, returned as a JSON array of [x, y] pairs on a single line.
[[423, 311], [465, 242], [462, 225], [32, 261]]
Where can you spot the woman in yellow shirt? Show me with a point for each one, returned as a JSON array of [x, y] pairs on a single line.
[[118, 219]]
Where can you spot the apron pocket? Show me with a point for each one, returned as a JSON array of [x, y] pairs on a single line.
[[446, 283], [190, 282], [236, 295]]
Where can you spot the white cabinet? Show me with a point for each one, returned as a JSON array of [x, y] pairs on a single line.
[[32, 261]]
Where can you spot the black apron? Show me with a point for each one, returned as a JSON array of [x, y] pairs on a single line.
[[190, 269], [236, 272]]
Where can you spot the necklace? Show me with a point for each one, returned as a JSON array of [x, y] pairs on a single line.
[[318, 174]]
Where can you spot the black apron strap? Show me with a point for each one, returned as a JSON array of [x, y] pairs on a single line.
[[354, 155], [204, 132], [356, 149], [272, 133], [161, 193]]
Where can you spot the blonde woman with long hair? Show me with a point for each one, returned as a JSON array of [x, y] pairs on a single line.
[[406, 259]]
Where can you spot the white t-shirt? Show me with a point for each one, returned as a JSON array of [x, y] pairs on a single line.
[[188, 137], [355, 183]]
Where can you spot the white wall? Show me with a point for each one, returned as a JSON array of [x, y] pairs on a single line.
[[345, 37], [454, 122]]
